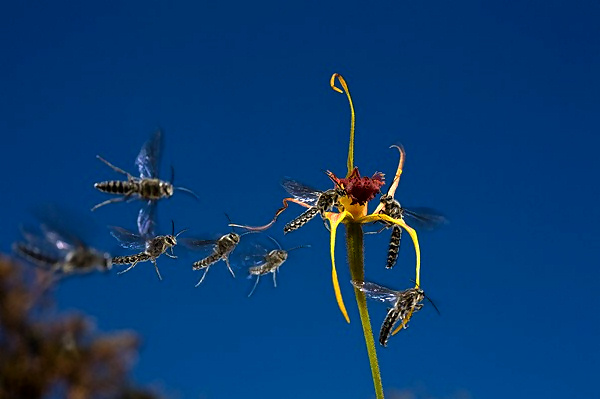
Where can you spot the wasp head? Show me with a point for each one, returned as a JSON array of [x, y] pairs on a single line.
[[166, 188]]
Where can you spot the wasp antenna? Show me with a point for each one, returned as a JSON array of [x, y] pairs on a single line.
[[299, 247], [275, 241], [181, 231], [172, 174], [172, 227], [187, 190]]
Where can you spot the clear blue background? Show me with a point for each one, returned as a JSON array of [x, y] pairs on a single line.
[[497, 106]]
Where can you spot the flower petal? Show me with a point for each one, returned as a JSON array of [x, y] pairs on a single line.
[[411, 232], [392, 190], [352, 117], [334, 221]]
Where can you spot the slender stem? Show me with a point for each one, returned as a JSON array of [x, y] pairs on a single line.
[[354, 241]]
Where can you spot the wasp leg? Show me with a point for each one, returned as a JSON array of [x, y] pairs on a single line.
[[116, 169], [204, 275], [171, 256], [255, 284], [110, 201], [129, 268], [274, 279], [377, 232], [229, 267], [156, 267]]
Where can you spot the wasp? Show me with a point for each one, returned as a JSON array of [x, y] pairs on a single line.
[[423, 217], [152, 245], [318, 202], [263, 261], [60, 252], [221, 249], [147, 187], [405, 303]]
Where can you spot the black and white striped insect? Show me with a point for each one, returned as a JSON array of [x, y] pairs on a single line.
[[424, 218], [319, 202], [221, 250], [148, 187], [264, 261], [60, 252], [405, 304], [152, 246]]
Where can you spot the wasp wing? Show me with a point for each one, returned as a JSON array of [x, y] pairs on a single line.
[[375, 291], [300, 191], [149, 157], [196, 243], [127, 239], [424, 218], [146, 220]]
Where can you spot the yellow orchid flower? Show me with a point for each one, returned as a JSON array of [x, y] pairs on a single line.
[[353, 213]]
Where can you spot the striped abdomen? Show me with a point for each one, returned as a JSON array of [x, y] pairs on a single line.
[[394, 247], [388, 324], [124, 260], [209, 260], [118, 187], [35, 255], [301, 220]]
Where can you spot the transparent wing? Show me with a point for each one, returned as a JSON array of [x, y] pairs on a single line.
[[196, 244], [146, 220], [424, 218], [149, 157], [375, 291], [127, 239], [42, 243], [300, 191]]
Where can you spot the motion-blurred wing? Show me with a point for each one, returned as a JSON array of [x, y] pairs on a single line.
[[375, 291], [149, 157], [424, 218], [127, 239], [253, 249], [196, 244], [146, 220], [300, 191]]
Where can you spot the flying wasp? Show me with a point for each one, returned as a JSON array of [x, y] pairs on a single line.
[[60, 252], [152, 246], [221, 249], [425, 218], [405, 303], [148, 187], [262, 261], [318, 202]]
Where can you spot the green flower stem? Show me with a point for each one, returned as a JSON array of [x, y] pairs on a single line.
[[356, 260]]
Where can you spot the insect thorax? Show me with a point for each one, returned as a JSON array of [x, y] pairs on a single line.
[[391, 206], [154, 189], [328, 199], [83, 258], [276, 257], [158, 245], [227, 243]]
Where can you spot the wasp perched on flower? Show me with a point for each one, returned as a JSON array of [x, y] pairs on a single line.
[[352, 195]]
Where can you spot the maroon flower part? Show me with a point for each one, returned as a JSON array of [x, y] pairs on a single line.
[[360, 189]]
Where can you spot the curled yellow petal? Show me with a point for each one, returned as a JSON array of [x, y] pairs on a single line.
[[334, 221], [352, 117], [411, 232], [392, 190]]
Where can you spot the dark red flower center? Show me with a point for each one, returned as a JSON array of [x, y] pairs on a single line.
[[360, 189]]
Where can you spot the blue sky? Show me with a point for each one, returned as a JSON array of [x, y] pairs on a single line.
[[496, 105]]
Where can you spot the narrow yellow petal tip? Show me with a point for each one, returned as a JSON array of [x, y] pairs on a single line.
[[352, 116], [334, 221]]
